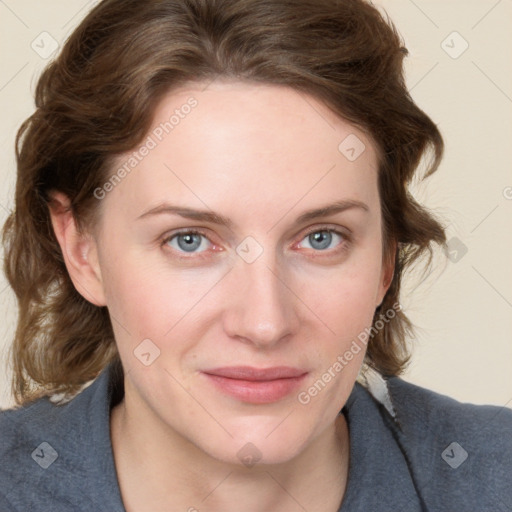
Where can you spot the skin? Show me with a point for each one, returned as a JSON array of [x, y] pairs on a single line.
[[260, 155]]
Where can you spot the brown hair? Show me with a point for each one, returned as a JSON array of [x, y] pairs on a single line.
[[96, 101]]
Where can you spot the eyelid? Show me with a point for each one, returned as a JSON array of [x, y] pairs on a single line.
[[182, 231], [187, 231], [343, 232], [328, 227]]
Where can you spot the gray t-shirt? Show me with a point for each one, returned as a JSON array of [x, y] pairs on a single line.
[[410, 450]]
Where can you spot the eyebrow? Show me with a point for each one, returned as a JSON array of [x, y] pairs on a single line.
[[216, 218]]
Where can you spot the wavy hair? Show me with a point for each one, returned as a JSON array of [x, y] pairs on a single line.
[[97, 98]]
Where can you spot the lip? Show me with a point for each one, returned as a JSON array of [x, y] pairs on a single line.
[[256, 385]]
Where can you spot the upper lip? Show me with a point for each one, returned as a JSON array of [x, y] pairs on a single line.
[[256, 374]]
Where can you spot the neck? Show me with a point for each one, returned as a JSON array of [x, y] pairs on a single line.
[[183, 477]]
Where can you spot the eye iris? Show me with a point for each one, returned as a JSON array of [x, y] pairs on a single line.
[[322, 239], [189, 242]]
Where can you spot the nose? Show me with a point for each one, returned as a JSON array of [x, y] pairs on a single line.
[[262, 308]]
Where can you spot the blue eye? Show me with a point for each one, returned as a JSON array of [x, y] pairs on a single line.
[[189, 241], [194, 242], [322, 239]]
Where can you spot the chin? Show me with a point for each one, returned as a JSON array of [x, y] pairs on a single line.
[[253, 447]]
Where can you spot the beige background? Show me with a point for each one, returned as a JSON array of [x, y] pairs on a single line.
[[463, 310]]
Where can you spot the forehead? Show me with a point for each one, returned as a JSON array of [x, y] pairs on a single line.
[[247, 145]]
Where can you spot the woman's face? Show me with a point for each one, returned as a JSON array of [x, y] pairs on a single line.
[[283, 274]]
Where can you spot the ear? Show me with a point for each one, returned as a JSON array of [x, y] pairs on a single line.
[[387, 272], [78, 249]]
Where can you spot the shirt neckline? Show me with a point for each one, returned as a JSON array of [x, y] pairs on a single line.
[[378, 475]]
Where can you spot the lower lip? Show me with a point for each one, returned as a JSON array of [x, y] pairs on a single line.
[[256, 392]]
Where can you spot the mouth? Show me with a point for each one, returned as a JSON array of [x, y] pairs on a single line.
[[256, 385]]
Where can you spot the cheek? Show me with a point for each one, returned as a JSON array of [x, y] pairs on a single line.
[[149, 298], [344, 307], [344, 298], [340, 349]]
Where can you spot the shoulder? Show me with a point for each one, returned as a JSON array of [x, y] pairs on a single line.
[[51, 453], [28, 447], [28, 426], [22, 431], [421, 409], [37, 448], [457, 451]]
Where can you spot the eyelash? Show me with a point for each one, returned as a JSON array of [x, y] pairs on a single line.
[[343, 246]]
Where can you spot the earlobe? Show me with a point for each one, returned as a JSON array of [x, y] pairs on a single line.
[[79, 250]]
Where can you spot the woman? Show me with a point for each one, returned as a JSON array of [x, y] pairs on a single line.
[[212, 220]]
